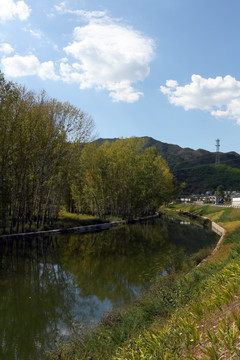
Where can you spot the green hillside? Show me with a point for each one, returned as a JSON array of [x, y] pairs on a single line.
[[204, 178], [178, 157], [197, 167]]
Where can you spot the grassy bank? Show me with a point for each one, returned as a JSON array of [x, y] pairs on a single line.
[[65, 220], [69, 220], [193, 314]]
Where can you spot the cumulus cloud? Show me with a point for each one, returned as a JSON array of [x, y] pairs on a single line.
[[13, 9], [220, 96], [109, 56], [17, 65], [104, 54], [6, 48]]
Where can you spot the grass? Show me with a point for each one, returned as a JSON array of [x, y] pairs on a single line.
[[193, 314], [65, 220], [218, 214], [68, 220], [189, 332]]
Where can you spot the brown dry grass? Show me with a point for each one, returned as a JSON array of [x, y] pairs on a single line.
[[230, 226], [234, 213]]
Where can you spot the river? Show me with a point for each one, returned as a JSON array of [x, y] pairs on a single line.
[[52, 287]]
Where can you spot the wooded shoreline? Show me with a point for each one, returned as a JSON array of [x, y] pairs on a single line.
[[79, 229]]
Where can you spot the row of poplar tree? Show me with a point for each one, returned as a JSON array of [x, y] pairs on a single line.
[[46, 164], [121, 179]]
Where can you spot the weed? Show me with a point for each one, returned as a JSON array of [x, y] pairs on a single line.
[[211, 353], [174, 307], [237, 320], [228, 335]]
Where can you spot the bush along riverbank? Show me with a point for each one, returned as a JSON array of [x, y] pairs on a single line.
[[192, 314]]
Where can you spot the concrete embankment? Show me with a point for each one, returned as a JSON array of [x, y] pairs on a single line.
[[214, 227], [217, 229], [80, 229], [220, 231]]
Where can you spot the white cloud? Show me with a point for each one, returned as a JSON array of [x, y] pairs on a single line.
[[123, 91], [14, 9], [104, 54], [36, 33], [6, 48], [171, 83], [87, 15], [20, 65], [63, 60], [219, 96], [109, 56], [47, 71], [17, 65]]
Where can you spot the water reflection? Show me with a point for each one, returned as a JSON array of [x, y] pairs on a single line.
[[50, 287]]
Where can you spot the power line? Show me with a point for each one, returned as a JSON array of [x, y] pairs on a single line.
[[217, 161]]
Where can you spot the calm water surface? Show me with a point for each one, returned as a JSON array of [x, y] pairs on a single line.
[[51, 287]]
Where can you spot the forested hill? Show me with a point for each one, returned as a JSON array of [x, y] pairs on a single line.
[[197, 167], [178, 157]]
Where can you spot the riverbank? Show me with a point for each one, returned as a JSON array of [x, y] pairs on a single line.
[[192, 314], [66, 220], [85, 224], [207, 326]]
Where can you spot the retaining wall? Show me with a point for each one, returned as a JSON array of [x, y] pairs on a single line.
[[218, 229]]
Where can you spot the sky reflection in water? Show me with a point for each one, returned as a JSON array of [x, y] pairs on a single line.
[[52, 287]]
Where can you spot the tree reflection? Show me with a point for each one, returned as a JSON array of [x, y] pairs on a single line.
[[37, 298], [50, 286]]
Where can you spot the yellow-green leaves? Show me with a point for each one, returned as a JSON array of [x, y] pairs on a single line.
[[36, 136], [121, 179]]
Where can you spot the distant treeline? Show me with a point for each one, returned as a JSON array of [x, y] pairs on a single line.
[[45, 164]]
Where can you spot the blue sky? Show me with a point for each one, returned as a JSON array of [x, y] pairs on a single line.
[[169, 69]]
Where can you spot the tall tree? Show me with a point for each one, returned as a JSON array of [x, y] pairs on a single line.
[[38, 137], [121, 179]]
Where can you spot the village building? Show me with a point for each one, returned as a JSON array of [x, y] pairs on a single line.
[[236, 201]]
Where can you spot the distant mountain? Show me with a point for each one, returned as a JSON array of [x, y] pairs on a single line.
[[179, 158], [197, 167]]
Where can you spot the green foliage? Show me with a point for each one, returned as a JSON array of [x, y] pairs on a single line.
[[220, 191], [38, 138], [119, 179], [43, 165], [196, 168], [200, 179]]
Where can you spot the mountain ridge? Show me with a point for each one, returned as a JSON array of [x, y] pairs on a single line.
[[175, 154], [196, 167]]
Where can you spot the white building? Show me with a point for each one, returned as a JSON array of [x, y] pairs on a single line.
[[185, 200], [236, 201]]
